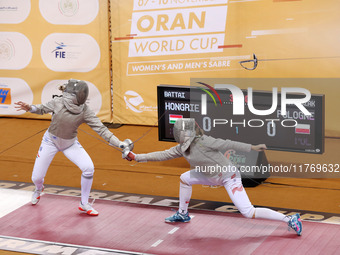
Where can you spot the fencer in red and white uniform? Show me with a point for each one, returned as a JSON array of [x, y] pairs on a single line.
[[68, 113], [211, 167]]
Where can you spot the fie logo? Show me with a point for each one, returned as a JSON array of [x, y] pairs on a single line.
[[5, 96], [59, 51]]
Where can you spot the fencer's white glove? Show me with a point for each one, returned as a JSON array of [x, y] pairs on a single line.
[[122, 145], [127, 143]]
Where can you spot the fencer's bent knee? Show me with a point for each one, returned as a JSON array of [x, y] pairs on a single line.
[[184, 179], [88, 172], [248, 212]]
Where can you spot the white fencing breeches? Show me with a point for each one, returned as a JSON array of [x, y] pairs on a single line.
[[75, 153], [233, 185]]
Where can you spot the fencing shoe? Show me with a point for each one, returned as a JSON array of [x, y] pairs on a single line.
[[36, 196], [295, 223], [88, 209], [178, 217]]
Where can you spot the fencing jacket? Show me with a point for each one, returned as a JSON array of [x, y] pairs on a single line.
[[204, 155], [64, 123]]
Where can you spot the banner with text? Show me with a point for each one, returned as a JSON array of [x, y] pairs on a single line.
[[171, 41]]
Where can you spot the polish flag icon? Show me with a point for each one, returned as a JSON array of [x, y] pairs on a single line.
[[302, 129], [173, 118]]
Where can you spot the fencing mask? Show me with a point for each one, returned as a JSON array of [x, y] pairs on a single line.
[[184, 132], [79, 89]]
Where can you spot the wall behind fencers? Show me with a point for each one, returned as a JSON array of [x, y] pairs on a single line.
[[171, 41], [44, 43]]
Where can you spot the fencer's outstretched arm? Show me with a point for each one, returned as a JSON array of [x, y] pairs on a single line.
[[173, 152], [94, 122], [37, 109], [223, 145]]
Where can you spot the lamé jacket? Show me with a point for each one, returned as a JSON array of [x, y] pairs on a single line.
[[204, 155], [64, 123]]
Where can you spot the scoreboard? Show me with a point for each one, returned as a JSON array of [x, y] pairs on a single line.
[[294, 131]]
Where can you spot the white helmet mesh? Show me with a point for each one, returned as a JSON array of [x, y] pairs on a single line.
[[184, 132]]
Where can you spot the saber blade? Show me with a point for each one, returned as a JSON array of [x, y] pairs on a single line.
[[255, 60]]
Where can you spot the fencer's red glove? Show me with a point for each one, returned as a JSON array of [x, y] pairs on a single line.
[[131, 156]]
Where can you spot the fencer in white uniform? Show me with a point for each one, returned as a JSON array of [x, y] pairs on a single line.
[[68, 113], [211, 167]]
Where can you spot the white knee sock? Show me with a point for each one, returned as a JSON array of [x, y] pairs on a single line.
[[184, 197], [265, 213], [39, 185], [86, 184]]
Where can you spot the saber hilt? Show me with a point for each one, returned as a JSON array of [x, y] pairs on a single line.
[[254, 61], [127, 145]]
